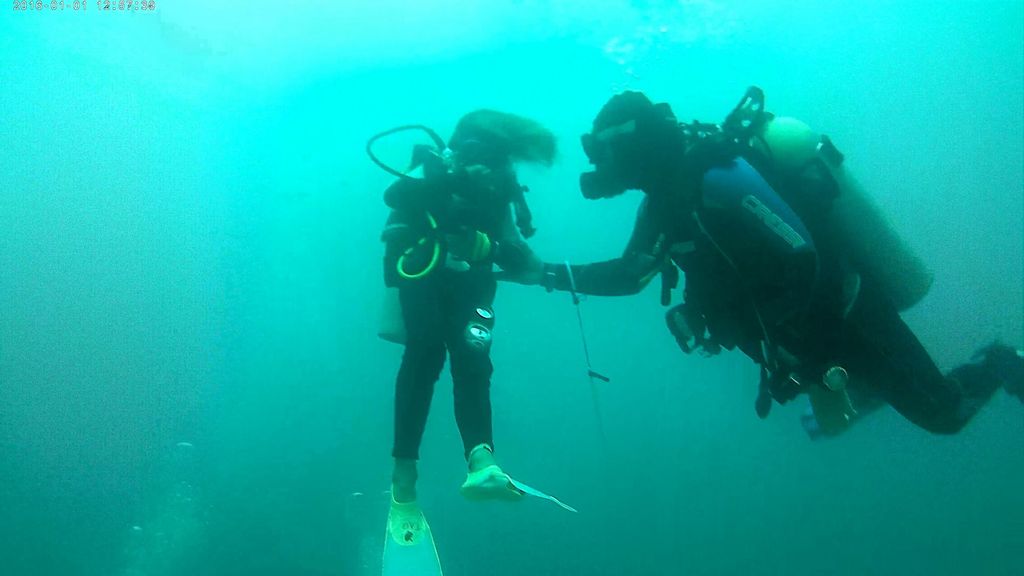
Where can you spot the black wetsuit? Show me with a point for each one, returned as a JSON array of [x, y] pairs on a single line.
[[755, 279], [438, 307]]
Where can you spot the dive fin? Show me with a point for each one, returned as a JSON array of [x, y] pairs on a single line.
[[491, 483], [409, 548], [538, 494]]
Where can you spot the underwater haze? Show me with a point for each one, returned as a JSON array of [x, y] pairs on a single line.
[[190, 280]]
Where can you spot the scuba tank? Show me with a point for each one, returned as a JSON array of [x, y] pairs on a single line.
[[854, 221], [426, 254], [391, 327], [809, 173]]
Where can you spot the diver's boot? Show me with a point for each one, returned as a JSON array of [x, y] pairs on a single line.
[[1007, 364], [486, 480]]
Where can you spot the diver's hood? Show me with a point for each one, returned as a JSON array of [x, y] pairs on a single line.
[[630, 137], [479, 151]]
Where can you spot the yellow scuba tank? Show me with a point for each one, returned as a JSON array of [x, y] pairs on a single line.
[[868, 239]]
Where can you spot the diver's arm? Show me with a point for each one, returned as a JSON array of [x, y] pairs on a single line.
[[622, 276], [511, 252]]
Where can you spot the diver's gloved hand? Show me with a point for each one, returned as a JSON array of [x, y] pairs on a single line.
[[518, 263], [1007, 364], [690, 331], [468, 245]]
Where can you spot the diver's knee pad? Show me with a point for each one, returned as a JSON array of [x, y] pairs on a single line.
[[478, 332]]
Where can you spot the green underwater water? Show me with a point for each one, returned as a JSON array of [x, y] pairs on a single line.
[[189, 253]]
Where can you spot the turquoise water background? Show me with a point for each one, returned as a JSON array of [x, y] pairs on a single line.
[[189, 254]]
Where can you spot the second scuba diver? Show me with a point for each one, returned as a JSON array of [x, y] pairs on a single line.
[[784, 258], [445, 233]]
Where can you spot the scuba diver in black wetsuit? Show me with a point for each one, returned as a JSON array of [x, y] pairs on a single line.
[[784, 258], [444, 234]]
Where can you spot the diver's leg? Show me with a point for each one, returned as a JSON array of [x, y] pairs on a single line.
[[469, 307], [422, 362], [906, 375], [469, 343]]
